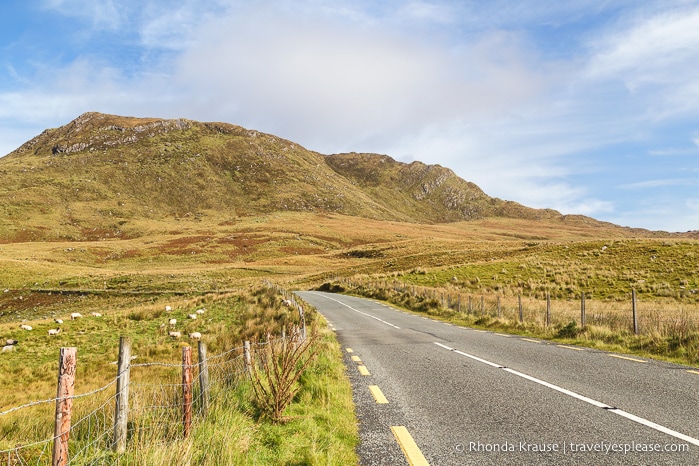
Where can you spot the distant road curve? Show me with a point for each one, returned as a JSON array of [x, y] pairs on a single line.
[[427, 392]]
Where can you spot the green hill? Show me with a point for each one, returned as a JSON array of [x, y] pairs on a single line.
[[105, 176]]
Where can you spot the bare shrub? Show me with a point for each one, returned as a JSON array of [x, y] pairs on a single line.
[[276, 369]]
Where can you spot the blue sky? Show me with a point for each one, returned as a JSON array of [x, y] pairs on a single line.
[[585, 106]]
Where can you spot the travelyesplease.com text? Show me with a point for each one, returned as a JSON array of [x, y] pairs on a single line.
[[572, 447]]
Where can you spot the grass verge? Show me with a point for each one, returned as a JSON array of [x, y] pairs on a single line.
[[678, 346], [319, 426]]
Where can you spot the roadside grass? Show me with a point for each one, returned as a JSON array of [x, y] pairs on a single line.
[[665, 332], [605, 270], [321, 428], [217, 261]]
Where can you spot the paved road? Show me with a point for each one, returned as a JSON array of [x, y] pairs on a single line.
[[465, 396]]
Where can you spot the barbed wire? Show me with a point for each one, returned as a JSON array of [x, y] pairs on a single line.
[[462, 302], [98, 423], [54, 400]]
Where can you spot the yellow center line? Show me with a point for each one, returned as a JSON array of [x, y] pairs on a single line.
[[350, 350], [378, 394], [693, 372], [363, 370], [533, 341], [410, 449], [627, 358], [356, 359], [571, 347]]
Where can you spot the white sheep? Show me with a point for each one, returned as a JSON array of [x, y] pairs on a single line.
[[200, 311], [10, 342], [286, 302], [8, 348], [75, 315], [175, 334], [96, 314], [25, 327], [192, 316], [58, 321], [54, 331], [168, 308], [195, 335], [172, 322]]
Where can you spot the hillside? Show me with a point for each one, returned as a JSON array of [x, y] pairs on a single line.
[[101, 176]]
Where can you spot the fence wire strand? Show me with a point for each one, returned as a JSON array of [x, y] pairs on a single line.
[[155, 410]]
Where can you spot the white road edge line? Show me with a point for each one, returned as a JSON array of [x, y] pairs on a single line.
[[596, 403], [363, 313]]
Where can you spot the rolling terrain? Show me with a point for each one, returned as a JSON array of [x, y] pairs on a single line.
[[106, 177], [116, 204], [124, 216]]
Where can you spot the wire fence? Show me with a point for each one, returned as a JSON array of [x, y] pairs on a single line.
[[156, 409], [664, 319], [144, 405]]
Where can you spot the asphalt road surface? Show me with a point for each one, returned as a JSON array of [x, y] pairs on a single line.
[[427, 392]]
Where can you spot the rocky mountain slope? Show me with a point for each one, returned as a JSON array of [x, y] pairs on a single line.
[[99, 174]]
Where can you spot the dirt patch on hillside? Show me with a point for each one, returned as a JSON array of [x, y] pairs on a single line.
[[302, 251], [14, 304]]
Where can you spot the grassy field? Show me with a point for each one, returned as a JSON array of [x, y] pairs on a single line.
[[667, 329], [219, 263], [320, 426]]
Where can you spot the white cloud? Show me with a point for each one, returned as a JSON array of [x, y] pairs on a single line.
[[667, 215], [660, 183], [655, 56], [469, 85], [101, 14], [672, 151], [327, 81]]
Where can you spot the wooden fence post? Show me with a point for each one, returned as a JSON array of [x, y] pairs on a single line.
[[482, 305], [67, 361], [548, 309], [499, 309], [187, 389], [582, 309], [519, 303], [302, 317], [633, 309], [121, 410], [203, 377], [246, 356]]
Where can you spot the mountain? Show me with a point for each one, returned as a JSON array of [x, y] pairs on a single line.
[[100, 175]]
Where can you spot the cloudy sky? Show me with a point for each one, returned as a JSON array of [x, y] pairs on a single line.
[[584, 106]]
